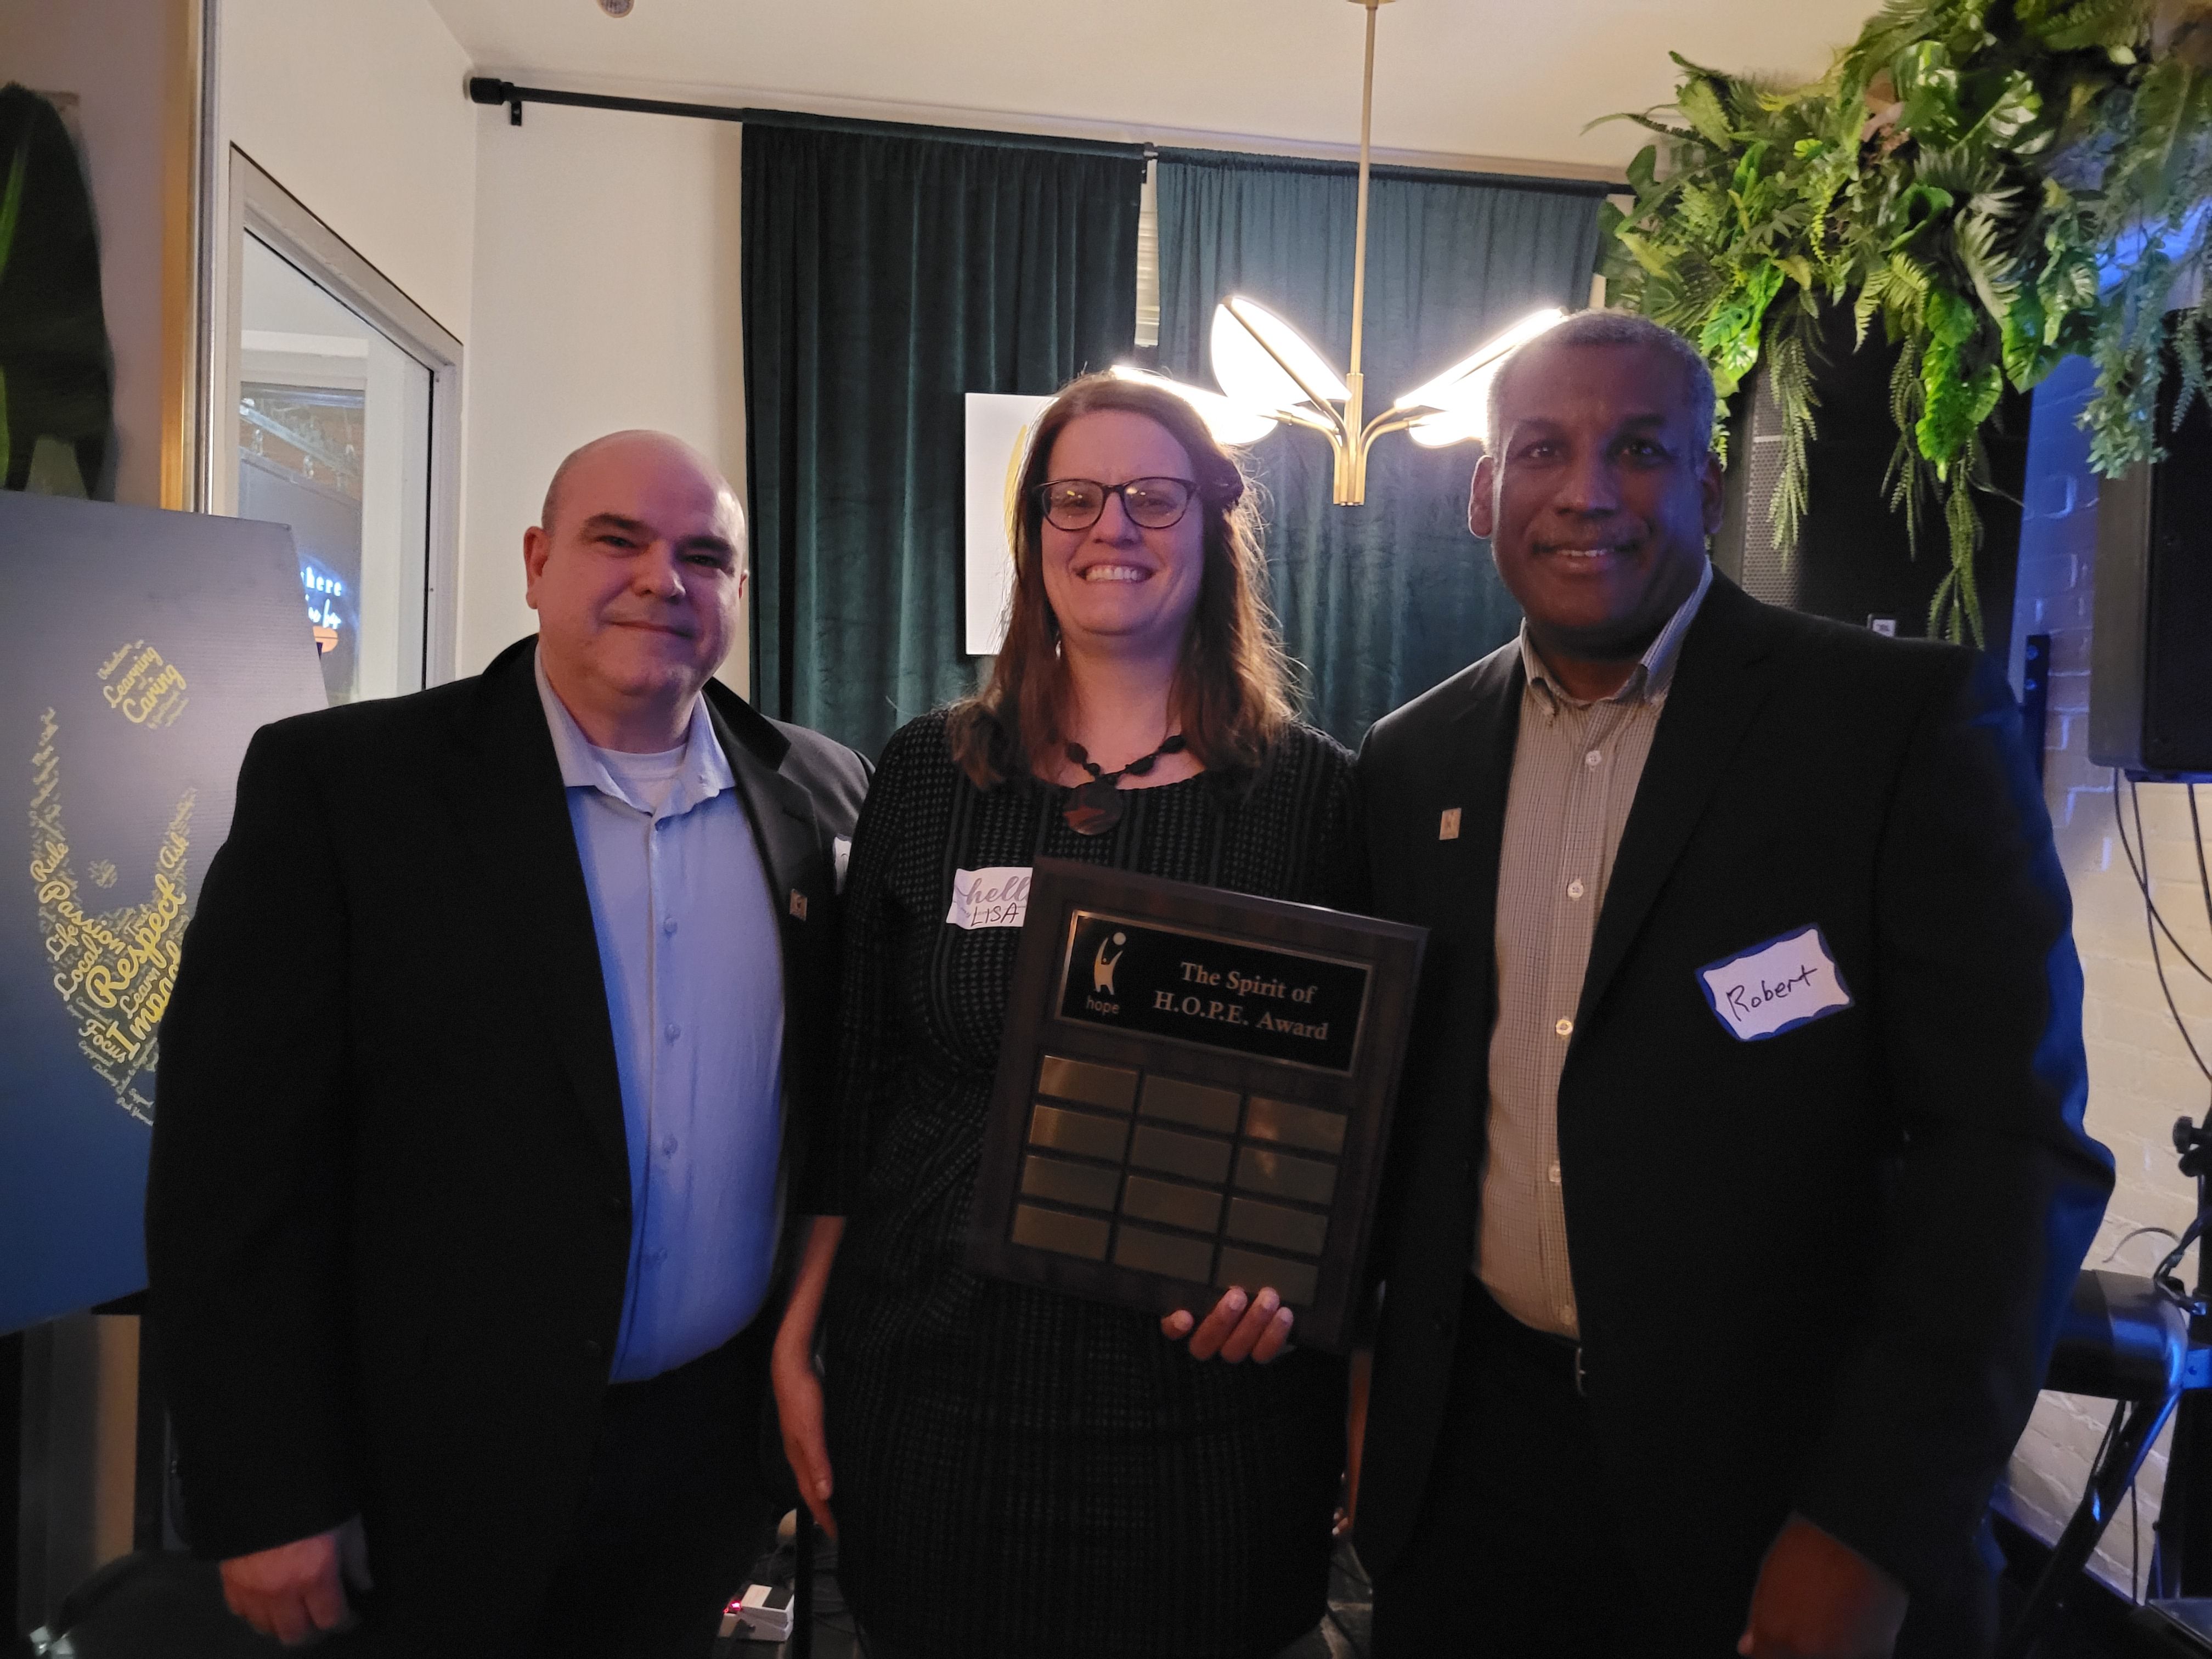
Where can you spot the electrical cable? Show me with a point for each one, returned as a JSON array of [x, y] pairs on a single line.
[[2129, 1238], [2141, 876], [2197, 833], [2150, 908]]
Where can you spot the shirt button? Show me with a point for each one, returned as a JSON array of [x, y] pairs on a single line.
[[668, 924], [1566, 1313], [668, 1147], [1574, 889], [674, 1030], [1564, 1028], [1555, 1175], [1595, 758]]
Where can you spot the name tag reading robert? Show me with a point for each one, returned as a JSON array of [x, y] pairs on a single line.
[[997, 897], [1775, 987]]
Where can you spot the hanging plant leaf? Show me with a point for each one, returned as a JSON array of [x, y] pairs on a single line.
[[1729, 339], [1703, 106], [2083, 24], [2002, 182], [1995, 277], [1960, 394], [2169, 112], [1927, 87], [1920, 207], [2027, 357]]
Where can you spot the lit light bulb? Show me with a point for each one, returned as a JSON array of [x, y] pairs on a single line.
[[1255, 378], [1466, 382], [1232, 424], [1448, 426]]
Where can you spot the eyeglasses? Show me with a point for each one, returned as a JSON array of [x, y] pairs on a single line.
[[1151, 504]]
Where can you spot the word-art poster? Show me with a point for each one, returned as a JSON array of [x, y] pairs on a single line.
[[139, 651]]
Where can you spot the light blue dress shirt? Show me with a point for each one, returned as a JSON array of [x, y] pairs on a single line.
[[693, 965]]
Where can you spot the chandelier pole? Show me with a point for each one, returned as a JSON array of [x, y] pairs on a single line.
[[1351, 457], [1287, 380]]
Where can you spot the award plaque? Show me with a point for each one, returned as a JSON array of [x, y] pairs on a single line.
[[1193, 1092]]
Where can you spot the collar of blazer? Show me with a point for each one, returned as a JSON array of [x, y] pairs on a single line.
[[781, 811], [1722, 679], [507, 788]]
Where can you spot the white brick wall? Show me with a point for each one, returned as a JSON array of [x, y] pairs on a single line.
[[2140, 1075]]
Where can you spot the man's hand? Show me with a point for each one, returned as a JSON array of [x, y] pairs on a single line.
[[1233, 1331], [1817, 1598], [297, 1591], [799, 1413]]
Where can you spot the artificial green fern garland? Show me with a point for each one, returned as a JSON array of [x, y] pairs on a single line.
[[2000, 183]]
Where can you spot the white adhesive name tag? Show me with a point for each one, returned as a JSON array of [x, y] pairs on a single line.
[[1776, 986], [998, 898]]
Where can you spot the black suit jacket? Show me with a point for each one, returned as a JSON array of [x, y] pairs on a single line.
[[387, 1222], [1821, 1272]]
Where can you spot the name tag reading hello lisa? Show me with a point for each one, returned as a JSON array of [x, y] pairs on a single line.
[[997, 897], [1775, 987]]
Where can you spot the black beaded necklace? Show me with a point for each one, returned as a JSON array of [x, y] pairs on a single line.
[[1095, 807]]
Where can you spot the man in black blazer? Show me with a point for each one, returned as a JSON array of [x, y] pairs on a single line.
[[1740, 1176], [503, 1007]]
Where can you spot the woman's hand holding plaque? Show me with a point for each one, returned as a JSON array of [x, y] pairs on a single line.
[[1235, 1331]]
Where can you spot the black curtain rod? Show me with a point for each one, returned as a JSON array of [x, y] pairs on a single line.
[[486, 90], [1334, 168]]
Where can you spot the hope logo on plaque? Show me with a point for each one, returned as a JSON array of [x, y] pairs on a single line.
[[1195, 1091]]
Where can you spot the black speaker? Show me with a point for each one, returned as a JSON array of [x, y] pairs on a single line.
[[1853, 560], [2150, 644]]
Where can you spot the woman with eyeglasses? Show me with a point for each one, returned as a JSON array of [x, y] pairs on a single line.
[[1018, 1472]]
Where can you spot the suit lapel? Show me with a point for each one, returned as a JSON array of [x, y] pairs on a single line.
[[1720, 683], [784, 827], [515, 815], [1480, 755], [788, 834]]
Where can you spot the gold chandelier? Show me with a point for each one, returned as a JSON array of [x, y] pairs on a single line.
[[1269, 372]]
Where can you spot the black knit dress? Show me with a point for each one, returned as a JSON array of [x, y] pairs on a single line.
[[1020, 1472]]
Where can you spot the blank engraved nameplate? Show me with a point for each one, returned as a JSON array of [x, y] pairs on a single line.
[[1194, 1092]]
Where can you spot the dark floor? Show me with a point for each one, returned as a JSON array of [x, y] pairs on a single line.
[[1342, 1635], [2099, 1624]]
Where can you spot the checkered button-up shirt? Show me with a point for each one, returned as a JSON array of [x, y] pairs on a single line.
[[1576, 767]]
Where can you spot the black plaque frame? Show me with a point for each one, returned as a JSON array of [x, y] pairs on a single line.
[[1259, 1173]]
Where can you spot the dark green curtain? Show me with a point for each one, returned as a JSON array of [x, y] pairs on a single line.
[[885, 274], [1378, 602]]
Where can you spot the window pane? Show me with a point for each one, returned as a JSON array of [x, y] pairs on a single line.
[[333, 435]]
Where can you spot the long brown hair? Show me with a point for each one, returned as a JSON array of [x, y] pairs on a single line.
[[1230, 694]]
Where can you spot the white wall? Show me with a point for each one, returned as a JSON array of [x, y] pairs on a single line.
[[606, 296], [2141, 1076], [358, 108]]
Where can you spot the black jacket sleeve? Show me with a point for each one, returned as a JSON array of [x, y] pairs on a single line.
[[1997, 1190], [865, 1056], [246, 1197]]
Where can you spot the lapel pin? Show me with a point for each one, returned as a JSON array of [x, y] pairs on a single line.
[[798, 904], [1448, 827]]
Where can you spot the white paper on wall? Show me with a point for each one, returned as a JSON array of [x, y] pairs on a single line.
[[998, 432]]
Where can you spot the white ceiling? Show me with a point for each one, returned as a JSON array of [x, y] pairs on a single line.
[[1455, 80]]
